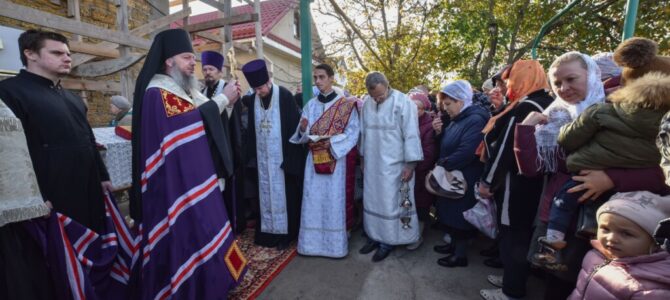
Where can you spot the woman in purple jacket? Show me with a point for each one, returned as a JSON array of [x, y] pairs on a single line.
[[424, 199]]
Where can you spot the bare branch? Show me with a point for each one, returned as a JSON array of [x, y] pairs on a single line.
[[355, 29]]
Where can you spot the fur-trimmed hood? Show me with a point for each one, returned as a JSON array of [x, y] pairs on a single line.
[[652, 91]]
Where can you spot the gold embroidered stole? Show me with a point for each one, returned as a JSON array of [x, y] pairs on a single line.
[[333, 121]]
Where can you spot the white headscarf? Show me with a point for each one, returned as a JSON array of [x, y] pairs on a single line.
[[459, 90], [561, 112]]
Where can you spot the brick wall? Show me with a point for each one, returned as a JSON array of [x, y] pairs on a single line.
[[100, 13]]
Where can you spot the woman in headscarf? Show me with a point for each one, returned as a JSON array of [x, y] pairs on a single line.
[[424, 199], [120, 107], [457, 152], [516, 196], [575, 79], [610, 72]]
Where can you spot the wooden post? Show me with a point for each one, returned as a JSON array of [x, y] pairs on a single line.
[[184, 6], [259, 30], [228, 36], [73, 11], [127, 84]]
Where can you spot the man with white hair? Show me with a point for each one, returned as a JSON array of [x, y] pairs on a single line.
[[391, 148], [179, 162]]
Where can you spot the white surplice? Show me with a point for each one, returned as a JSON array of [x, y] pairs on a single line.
[[389, 141], [323, 229], [269, 153]]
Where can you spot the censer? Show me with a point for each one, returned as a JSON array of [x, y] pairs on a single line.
[[405, 203]]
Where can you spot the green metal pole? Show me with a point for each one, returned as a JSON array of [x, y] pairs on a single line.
[[306, 50], [629, 22], [538, 38]]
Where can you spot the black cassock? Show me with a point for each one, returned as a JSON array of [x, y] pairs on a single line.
[[62, 147], [233, 194], [293, 163]]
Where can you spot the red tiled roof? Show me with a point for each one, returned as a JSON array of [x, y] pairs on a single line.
[[271, 12]]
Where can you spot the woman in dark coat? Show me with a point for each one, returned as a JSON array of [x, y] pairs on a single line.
[[516, 196], [424, 199], [457, 152]]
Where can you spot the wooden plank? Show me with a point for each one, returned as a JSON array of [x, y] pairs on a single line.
[[159, 23], [26, 14], [73, 9], [78, 59], [93, 49], [90, 85], [233, 20], [106, 67], [219, 39], [184, 5], [158, 5], [127, 84]]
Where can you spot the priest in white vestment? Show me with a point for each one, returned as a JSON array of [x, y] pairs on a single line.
[[391, 148], [330, 127]]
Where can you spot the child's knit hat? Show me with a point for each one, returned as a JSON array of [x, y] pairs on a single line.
[[644, 208], [638, 56]]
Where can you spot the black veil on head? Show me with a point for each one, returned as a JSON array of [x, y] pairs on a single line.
[[165, 45]]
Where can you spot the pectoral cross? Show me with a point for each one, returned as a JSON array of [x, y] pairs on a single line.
[[266, 125]]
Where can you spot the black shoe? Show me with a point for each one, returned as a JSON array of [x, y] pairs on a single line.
[[444, 249], [493, 262], [381, 254], [282, 246], [490, 252], [369, 246], [453, 261]]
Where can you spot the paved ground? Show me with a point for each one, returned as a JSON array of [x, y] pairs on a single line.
[[403, 275]]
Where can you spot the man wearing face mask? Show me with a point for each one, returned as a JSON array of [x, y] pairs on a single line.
[[391, 148]]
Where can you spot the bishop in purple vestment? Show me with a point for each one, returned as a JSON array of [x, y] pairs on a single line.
[[187, 250]]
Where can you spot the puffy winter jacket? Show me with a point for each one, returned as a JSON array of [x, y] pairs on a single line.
[[641, 277]]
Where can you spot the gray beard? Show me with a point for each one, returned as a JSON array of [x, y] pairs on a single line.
[[186, 82]]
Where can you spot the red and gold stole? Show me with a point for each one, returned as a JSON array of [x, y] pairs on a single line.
[[333, 121]]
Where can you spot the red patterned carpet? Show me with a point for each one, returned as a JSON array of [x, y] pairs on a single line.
[[263, 266]]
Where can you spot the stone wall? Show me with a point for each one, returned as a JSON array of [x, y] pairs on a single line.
[[100, 13]]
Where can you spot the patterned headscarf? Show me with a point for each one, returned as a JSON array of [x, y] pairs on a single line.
[[608, 68], [421, 97], [523, 78], [561, 112]]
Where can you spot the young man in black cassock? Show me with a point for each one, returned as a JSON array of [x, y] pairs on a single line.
[[70, 173], [277, 165]]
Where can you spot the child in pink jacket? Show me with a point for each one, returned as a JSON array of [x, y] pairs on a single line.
[[627, 263]]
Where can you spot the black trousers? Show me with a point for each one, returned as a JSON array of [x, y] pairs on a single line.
[[514, 245]]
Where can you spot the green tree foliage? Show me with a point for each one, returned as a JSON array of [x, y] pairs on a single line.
[[424, 41], [390, 36], [472, 33]]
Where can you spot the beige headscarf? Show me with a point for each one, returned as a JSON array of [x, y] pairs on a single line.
[[20, 198]]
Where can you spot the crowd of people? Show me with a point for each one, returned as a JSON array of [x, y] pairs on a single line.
[[575, 159]]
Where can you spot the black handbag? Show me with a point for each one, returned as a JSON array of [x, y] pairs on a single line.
[[587, 222]]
